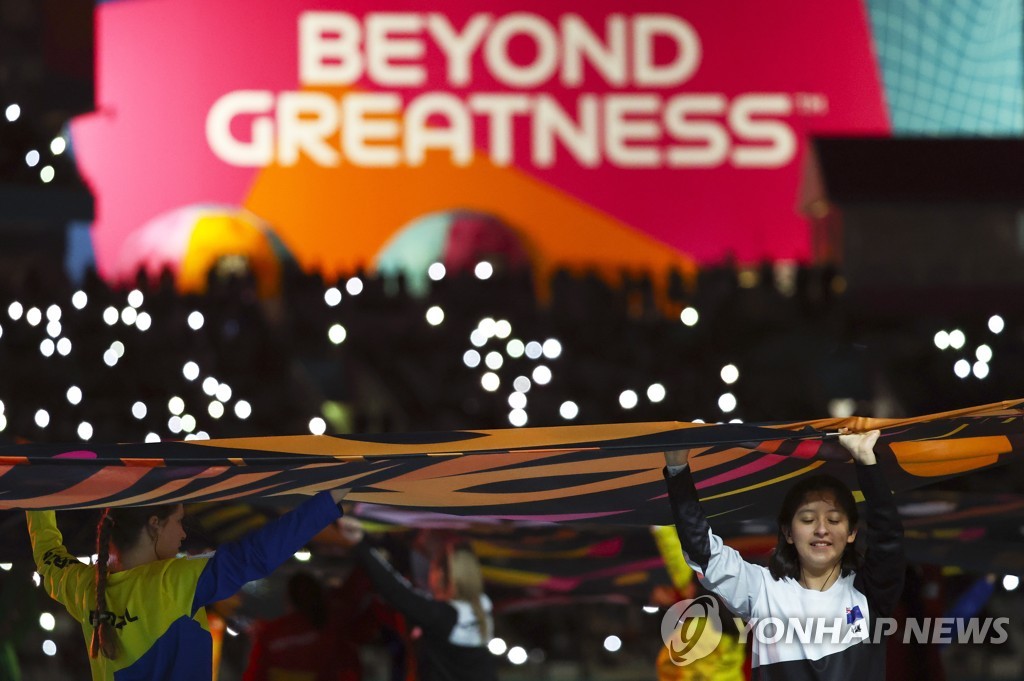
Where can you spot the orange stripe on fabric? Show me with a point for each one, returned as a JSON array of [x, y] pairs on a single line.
[[148, 463], [13, 460], [931, 458], [105, 483]]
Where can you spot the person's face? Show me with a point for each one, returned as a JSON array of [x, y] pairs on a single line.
[[168, 533], [819, 532], [438, 582]]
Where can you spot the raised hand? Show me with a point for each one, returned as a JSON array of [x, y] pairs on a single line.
[[677, 457], [860, 445]]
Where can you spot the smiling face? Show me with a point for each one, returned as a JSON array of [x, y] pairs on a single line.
[[820, 532], [168, 533]]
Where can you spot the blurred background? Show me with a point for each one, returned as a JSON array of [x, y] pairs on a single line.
[[797, 210]]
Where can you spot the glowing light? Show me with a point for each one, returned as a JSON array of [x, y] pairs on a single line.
[[174, 424], [436, 271], [223, 392], [12, 112], [502, 329], [613, 644], [32, 158], [471, 358], [568, 410], [317, 425], [490, 381], [517, 417], [64, 347], [46, 174], [139, 410], [49, 648], [962, 368], [841, 407], [650, 609], [497, 646], [84, 430], [980, 369], [332, 296], [118, 348], [110, 316], [435, 315], [110, 357], [36, 579], [135, 298], [243, 409], [487, 327], [628, 399], [730, 374], [80, 300], [6, 567], [74, 394], [47, 347], [58, 145], [42, 418], [551, 348], [957, 339], [210, 385], [534, 350], [727, 402], [1011, 582], [47, 621], [983, 353], [216, 409], [152, 437], [190, 371], [689, 316], [195, 320], [517, 655], [129, 315], [53, 313], [303, 555], [483, 270], [34, 316], [541, 375], [176, 405], [53, 329], [941, 340], [354, 286], [143, 321], [494, 360], [515, 348], [15, 310], [337, 334], [996, 324], [656, 392], [522, 384], [3, 423], [478, 338], [517, 400]]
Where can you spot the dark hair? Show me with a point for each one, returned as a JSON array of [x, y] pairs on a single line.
[[307, 596], [785, 562], [122, 527]]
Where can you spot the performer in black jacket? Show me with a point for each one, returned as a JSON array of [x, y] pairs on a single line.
[[817, 593], [456, 619]]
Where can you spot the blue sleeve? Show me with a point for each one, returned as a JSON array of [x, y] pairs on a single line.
[[259, 553]]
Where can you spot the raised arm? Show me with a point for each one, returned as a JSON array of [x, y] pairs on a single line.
[[259, 553], [64, 577], [436, 617], [880, 578], [724, 571]]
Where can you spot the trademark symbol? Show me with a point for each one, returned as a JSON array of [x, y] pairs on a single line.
[[811, 103]]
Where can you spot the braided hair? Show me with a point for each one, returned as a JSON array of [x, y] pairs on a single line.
[[122, 527]]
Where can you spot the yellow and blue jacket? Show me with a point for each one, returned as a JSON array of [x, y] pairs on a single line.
[[160, 606]]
